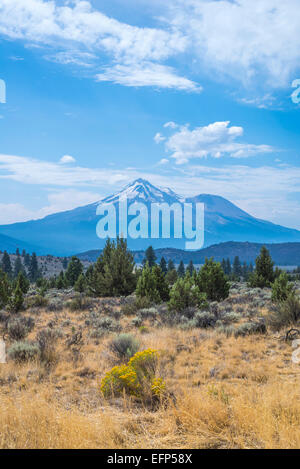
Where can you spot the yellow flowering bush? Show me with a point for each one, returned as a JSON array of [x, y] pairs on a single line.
[[137, 378]]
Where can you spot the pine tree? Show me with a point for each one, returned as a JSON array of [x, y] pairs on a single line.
[[224, 266], [6, 264], [33, 269], [237, 268], [23, 253], [163, 265], [161, 283], [16, 300], [281, 288], [113, 273], [171, 265], [185, 294], [18, 252], [61, 281], [27, 260], [147, 285], [212, 281], [18, 266], [5, 289], [74, 270], [65, 263], [228, 267], [263, 275], [190, 268], [150, 256], [181, 270], [245, 270], [23, 282], [80, 287], [171, 276]]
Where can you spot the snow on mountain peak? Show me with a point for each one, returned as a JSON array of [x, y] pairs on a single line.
[[143, 190]]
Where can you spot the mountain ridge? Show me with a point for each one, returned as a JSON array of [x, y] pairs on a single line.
[[66, 233]]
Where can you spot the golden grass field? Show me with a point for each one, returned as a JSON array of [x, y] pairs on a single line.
[[230, 393]]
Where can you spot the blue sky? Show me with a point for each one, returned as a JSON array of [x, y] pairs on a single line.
[[190, 94]]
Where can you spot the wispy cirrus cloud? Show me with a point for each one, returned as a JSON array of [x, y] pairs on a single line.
[[216, 140], [85, 37]]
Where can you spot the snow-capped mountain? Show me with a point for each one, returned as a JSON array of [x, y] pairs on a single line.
[[74, 231], [141, 190]]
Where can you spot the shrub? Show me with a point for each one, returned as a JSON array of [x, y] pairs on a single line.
[[148, 313], [103, 325], [37, 301], [132, 305], [185, 294], [228, 318], [286, 313], [249, 328], [281, 288], [16, 301], [46, 339], [23, 351], [227, 330], [17, 330], [124, 346], [79, 304], [137, 378], [204, 319]]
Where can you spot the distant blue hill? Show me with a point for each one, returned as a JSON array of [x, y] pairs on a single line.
[[74, 231], [11, 244]]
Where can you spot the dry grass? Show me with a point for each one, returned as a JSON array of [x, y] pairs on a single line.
[[230, 393]]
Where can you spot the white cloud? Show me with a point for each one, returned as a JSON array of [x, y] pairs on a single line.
[[82, 32], [158, 138], [163, 161], [216, 140], [147, 74], [171, 125], [66, 159], [243, 39], [73, 57]]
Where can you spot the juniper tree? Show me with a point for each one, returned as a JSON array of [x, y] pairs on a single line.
[[185, 294], [190, 268], [113, 274], [237, 268], [263, 275], [80, 286], [163, 265], [150, 256], [147, 285], [5, 289], [23, 282], [74, 270], [181, 269], [18, 266], [212, 281], [281, 288], [171, 265], [6, 264], [33, 269], [228, 267]]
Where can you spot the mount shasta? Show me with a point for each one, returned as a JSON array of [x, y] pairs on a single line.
[[74, 231]]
